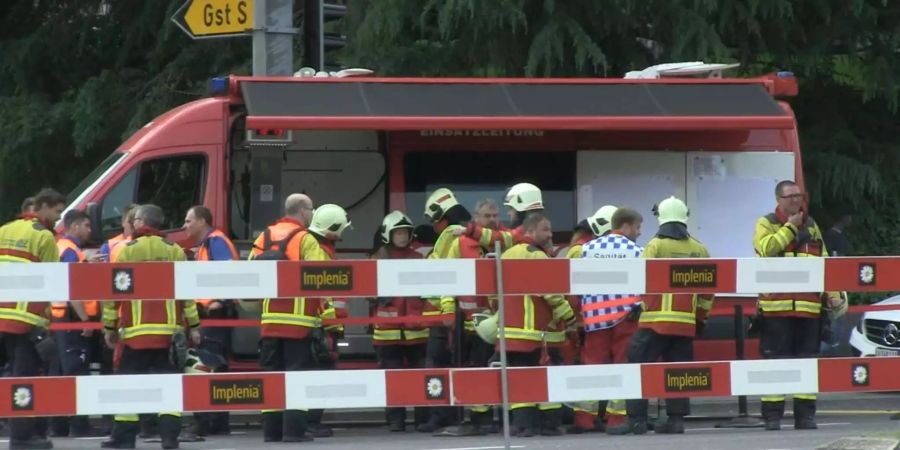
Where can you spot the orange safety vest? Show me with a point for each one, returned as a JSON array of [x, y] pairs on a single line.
[[288, 318], [400, 333], [59, 309], [203, 255], [116, 247]]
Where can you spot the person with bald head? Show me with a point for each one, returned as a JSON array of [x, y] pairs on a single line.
[[299, 207]]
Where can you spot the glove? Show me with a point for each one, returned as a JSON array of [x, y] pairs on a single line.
[[635, 314], [701, 327]]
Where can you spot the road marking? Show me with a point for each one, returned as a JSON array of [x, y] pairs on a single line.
[[857, 411], [831, 424], [91, 438], [493, 447]]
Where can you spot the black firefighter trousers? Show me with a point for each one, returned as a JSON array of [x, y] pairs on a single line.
[[280, 354], [649, 346], [789, 337]]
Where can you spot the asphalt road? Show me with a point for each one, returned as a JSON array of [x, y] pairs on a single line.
[[840, 416], [699, 436]]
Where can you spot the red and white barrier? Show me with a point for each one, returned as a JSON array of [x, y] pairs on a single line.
[[369, 278], [112, 394]]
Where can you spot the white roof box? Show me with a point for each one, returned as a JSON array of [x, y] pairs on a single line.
[[682, 69]]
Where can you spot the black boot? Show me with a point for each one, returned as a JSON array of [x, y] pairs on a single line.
[[551, 420], [273, 423], [169, 429], [672, 425], [772, 412], [805, 414], [295, 426], [523, 420], [123, 435], [632, 425]]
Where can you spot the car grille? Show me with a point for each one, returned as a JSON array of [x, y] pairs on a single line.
[[875, 332]]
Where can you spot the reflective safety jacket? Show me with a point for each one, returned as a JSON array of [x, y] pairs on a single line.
[[402, 333], [776, 237], [25, 240], [449, 246], [60, 309], [204, 254], [149, 324], [486, 236], [294, 318], [675, 314], [529, 318]]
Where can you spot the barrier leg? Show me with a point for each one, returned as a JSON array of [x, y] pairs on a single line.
[[504, 381], [743, 420]]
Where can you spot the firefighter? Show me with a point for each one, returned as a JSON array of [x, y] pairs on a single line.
[[23, 325], [527, 319], [399, 346], [291, 327], [610, 320], [790, 322], [522, 200], [146, 328], [668, 322], [214, 245], [447, 217], [487, 214], [74, 348], [111, 245]]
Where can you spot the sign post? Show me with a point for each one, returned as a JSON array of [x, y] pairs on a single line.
[[270, 22]]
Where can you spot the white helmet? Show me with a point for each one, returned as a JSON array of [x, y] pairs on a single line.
[[601, 221], [193, 364], [671, 210], [524, 197], [393, 221], [438, 203], [329, 221], [486, 326]]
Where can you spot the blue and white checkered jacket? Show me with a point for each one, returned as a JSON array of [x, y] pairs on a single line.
[[606, 311]]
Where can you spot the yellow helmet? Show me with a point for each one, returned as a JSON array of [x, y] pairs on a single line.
[[486, 326], [393, 221], [524, 197], [438, 203], [601, 221], [329, 221], [671, 210]]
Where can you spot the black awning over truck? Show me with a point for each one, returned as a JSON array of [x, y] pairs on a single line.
[[565, 105]]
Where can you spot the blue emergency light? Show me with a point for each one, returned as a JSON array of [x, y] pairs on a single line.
[[219, 86], [785, 74]]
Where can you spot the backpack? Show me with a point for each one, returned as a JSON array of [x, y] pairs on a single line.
[[280, 253]]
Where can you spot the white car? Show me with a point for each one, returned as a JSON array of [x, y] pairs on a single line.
[[878, 332]]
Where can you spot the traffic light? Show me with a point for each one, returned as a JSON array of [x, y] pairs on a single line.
[[316, 42]]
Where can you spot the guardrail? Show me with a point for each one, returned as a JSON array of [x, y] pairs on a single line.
[[388, 278]]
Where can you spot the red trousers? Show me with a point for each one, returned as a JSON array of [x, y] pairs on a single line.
[[609, 345]]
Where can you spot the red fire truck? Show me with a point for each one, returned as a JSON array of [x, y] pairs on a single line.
[[375, 144]]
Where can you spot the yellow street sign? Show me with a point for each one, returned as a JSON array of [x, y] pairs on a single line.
[[215, 18]]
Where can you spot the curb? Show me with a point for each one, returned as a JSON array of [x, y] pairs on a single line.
[[861, 443]]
